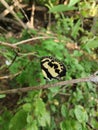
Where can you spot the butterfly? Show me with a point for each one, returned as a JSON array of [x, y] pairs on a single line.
[[52, 68]]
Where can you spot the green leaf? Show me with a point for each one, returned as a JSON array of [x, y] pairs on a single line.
[[92, 43], [81, 114], [18, 122], [44, 119], [29, 119], [61, 8], [27, 107], [70, 124], [73, 2], [2, 95], [78, 94], [2, 38], [75, 29], [32, 126], [39, 107], [66, 125], [5, 118], [20, 15], [64, 111], [41, 113]]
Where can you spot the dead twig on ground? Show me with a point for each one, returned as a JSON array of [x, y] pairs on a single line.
[[13, 13], [31, 22]]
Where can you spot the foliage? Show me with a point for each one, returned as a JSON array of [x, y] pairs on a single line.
[[30, 115], [72, 107]]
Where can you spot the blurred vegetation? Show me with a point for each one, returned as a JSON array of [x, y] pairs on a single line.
[[67, 30]]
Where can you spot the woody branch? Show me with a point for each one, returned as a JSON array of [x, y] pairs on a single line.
[[92, 78]]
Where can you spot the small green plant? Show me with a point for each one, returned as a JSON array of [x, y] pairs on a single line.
[[70, 107], [73, 108]]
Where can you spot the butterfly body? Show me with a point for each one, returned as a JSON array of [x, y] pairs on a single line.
[[52, 68]]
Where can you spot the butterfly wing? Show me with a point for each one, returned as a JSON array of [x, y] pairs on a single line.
[[52, 68]]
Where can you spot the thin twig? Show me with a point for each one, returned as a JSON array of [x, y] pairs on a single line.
[[32, 15], [6, 11], [14, 46], [9, 76], [31, 39], [8, 45], [20, 5], [26, 89]]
